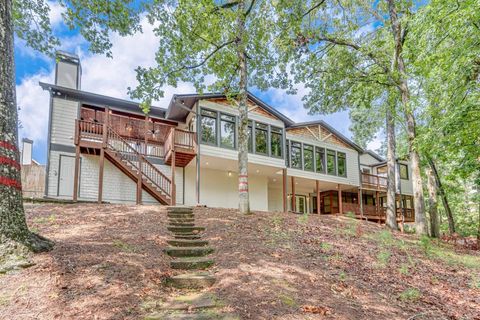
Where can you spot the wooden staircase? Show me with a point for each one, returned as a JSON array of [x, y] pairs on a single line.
[[137, 167]]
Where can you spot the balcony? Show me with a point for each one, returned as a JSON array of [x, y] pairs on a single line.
[[374, 182]]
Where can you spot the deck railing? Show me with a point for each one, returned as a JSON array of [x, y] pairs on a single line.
[[377, 212], [181, 139], [373, 181], [127, 153]]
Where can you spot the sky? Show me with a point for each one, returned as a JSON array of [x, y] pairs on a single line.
[[112, 77]]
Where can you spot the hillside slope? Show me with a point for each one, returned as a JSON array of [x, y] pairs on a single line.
[[108, 264]]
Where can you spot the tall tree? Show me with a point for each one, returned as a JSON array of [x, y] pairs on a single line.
[[227, 42], [29, 20], [349, 55], [432, 203]]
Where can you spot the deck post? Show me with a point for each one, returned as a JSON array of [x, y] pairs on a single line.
[[174, 189], [360, 201], [145, 149], [102, 154], [294, 202], [317, 185], [284, 190], [139, 179], [76, 174], [340, 204], [377, 206]]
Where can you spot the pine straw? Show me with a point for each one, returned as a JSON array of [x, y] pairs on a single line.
[[108, 264]]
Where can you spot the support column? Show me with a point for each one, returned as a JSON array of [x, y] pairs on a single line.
[[147, 132], [317, 185], [102, 154], [76, 174], [377, 206], [174, 189], [294, 202], [284, 190], [139, 179], [360, 201], [340, 204], [402, 212]]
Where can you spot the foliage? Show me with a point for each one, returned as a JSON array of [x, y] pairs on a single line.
[[410, 294]]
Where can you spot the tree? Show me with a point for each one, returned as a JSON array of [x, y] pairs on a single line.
[[230, 42], [349, 55], [432, 203], [28, 19]]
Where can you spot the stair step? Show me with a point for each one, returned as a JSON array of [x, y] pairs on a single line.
[[179, 209], [181, 224], [206, 315], [188, 220], [180, 215], [188, 251], [185, 229], [190, 263], [187, 236], [187, 243], [197, 280]]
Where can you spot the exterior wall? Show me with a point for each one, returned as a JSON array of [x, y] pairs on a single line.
[[217, 189], [64, 113], [275, 198], [367, 159], [316, 132], [407, 185], [33, 180], [352, 163]]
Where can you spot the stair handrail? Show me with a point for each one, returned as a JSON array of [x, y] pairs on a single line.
[[164, 184]]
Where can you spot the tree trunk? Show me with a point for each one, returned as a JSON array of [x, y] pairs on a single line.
[[443, 196], [243, 197], [391, 219], [14, 233], [432, 203], [419, 206]]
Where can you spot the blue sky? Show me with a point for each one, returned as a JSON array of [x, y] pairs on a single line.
[[112, 77]]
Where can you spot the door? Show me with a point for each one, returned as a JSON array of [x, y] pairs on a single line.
[[65, 176], [301, 204]]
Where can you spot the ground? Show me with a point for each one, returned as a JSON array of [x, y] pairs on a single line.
[[108, 264]]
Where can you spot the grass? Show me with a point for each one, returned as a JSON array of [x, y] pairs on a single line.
[[123, 246], [410, 295], [43, 220], [287, 300], [277, 235], [383, 257], [404, 269], [303, 219]]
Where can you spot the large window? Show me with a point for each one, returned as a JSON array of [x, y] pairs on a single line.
[[320, 159], [276, 141], [261, 138], [287, 158], [331, 162], [403, 171], [296, 155], [250, 137], [227, 131], [341, 164], [308, 157], [209, 126]]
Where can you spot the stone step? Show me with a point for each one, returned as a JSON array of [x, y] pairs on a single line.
[[187, 236], [179, 209], [179, 220], [197, 280], [191, 263], [181, 224], [187, 243], [203, 315], [185, 229], [180, 215], [188, 251]]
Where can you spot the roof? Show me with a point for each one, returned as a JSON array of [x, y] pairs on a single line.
[[329, 128], [375, 155], [94, 98], [188, 100]]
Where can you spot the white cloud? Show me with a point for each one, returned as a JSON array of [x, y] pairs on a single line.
[[55, 14]]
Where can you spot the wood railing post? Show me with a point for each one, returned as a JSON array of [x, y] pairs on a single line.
[[139, 180], [173, 188], [317, 185], [294, 202]]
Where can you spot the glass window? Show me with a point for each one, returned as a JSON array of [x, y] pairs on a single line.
[[382, 170], [342, 164], [209, 126], [227, 131], [276, 141], [320, 159], [250, 137], [296, 155], [261, 138], [403, 171], [287, 158], [308, 157], [331, 162]]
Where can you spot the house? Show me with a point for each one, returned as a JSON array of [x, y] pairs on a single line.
[[105, 149]]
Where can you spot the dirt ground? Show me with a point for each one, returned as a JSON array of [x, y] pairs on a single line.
[[108, 264]]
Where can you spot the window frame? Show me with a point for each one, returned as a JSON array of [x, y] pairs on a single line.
[[334, 162], [400, 171], [337, 166], [313, 157], [266, 130], [271, 132], [322, 150], [216, 143], [234, 122], [293, 144]]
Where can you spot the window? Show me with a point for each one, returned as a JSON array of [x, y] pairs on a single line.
[[209, 126], [287, 158], [227, 131], [308, 157], [331, 162], [296, 155], [250, 137], [382, 170], [261, 138], [366, 170], [341, 164], [276, 141], [403, 171], [320, 159]]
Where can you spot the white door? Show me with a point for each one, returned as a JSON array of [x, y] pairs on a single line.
[[65, 180]]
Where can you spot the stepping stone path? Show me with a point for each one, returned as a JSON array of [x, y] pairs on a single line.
[[189, 253]]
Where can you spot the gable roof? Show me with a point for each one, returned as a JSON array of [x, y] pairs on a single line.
[[374, 155], [181, 104]]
